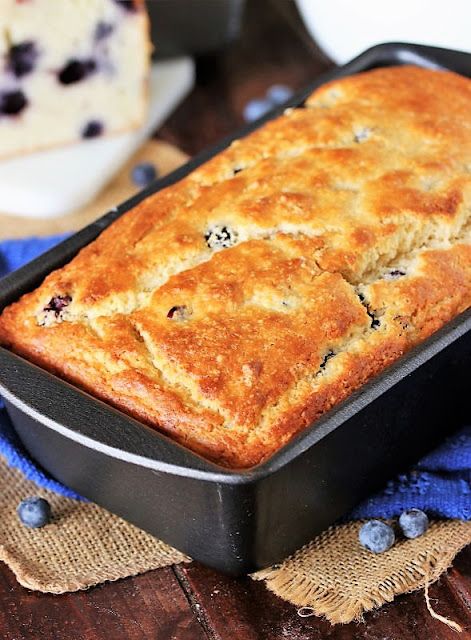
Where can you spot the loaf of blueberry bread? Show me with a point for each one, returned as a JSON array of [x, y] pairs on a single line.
[[234, 308], [70, 70]]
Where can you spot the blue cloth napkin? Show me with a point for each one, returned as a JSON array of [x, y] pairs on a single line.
[[440, 483], [13, 254]]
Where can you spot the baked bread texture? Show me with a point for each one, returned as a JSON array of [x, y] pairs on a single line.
[[71, 70], [234, 308]]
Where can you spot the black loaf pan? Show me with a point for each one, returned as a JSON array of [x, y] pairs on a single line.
[[240, 521]]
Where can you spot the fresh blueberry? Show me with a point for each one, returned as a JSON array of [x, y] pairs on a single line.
[[22, 58], [103, 30], [256, 108], [92, 129], [76, 70], [12, 102], [413, 523], [279, 93], [143, 174], [376, 536], [34, 512]]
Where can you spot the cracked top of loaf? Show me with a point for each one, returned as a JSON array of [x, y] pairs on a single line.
[[235, 307]]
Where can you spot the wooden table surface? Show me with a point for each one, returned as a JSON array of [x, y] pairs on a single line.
[[191, 602]]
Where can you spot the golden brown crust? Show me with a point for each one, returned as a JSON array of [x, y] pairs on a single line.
[[237, 306]]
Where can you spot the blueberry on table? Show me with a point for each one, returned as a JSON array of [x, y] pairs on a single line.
[[34, 512], [21, 58], [143, 174], [376, 536], [279, 93], [256, 108], [414, 523]]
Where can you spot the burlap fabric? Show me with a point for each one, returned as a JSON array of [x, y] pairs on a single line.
[[335, 577], [83, 546], [86, 545]]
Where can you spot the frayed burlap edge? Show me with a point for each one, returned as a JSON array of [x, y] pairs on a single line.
[[334, 577], [86, 545], [46, 585]]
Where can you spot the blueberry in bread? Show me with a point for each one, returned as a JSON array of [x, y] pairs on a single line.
[[234, 308], [70, 70]]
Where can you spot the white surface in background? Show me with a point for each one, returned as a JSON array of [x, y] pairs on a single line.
[[345, 28], [52, 183]]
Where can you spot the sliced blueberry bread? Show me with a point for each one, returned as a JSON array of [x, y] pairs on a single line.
[[235, 307], [69, 70]]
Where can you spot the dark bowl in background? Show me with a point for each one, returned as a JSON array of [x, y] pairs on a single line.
[[193, 26]]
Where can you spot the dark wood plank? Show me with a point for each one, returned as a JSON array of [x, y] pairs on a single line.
[[246, 610], [155, 606], [458, 581], [152, 606], [273, 48]]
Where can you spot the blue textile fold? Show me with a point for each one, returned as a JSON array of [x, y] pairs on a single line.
[[440, 483], [13, 254]]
